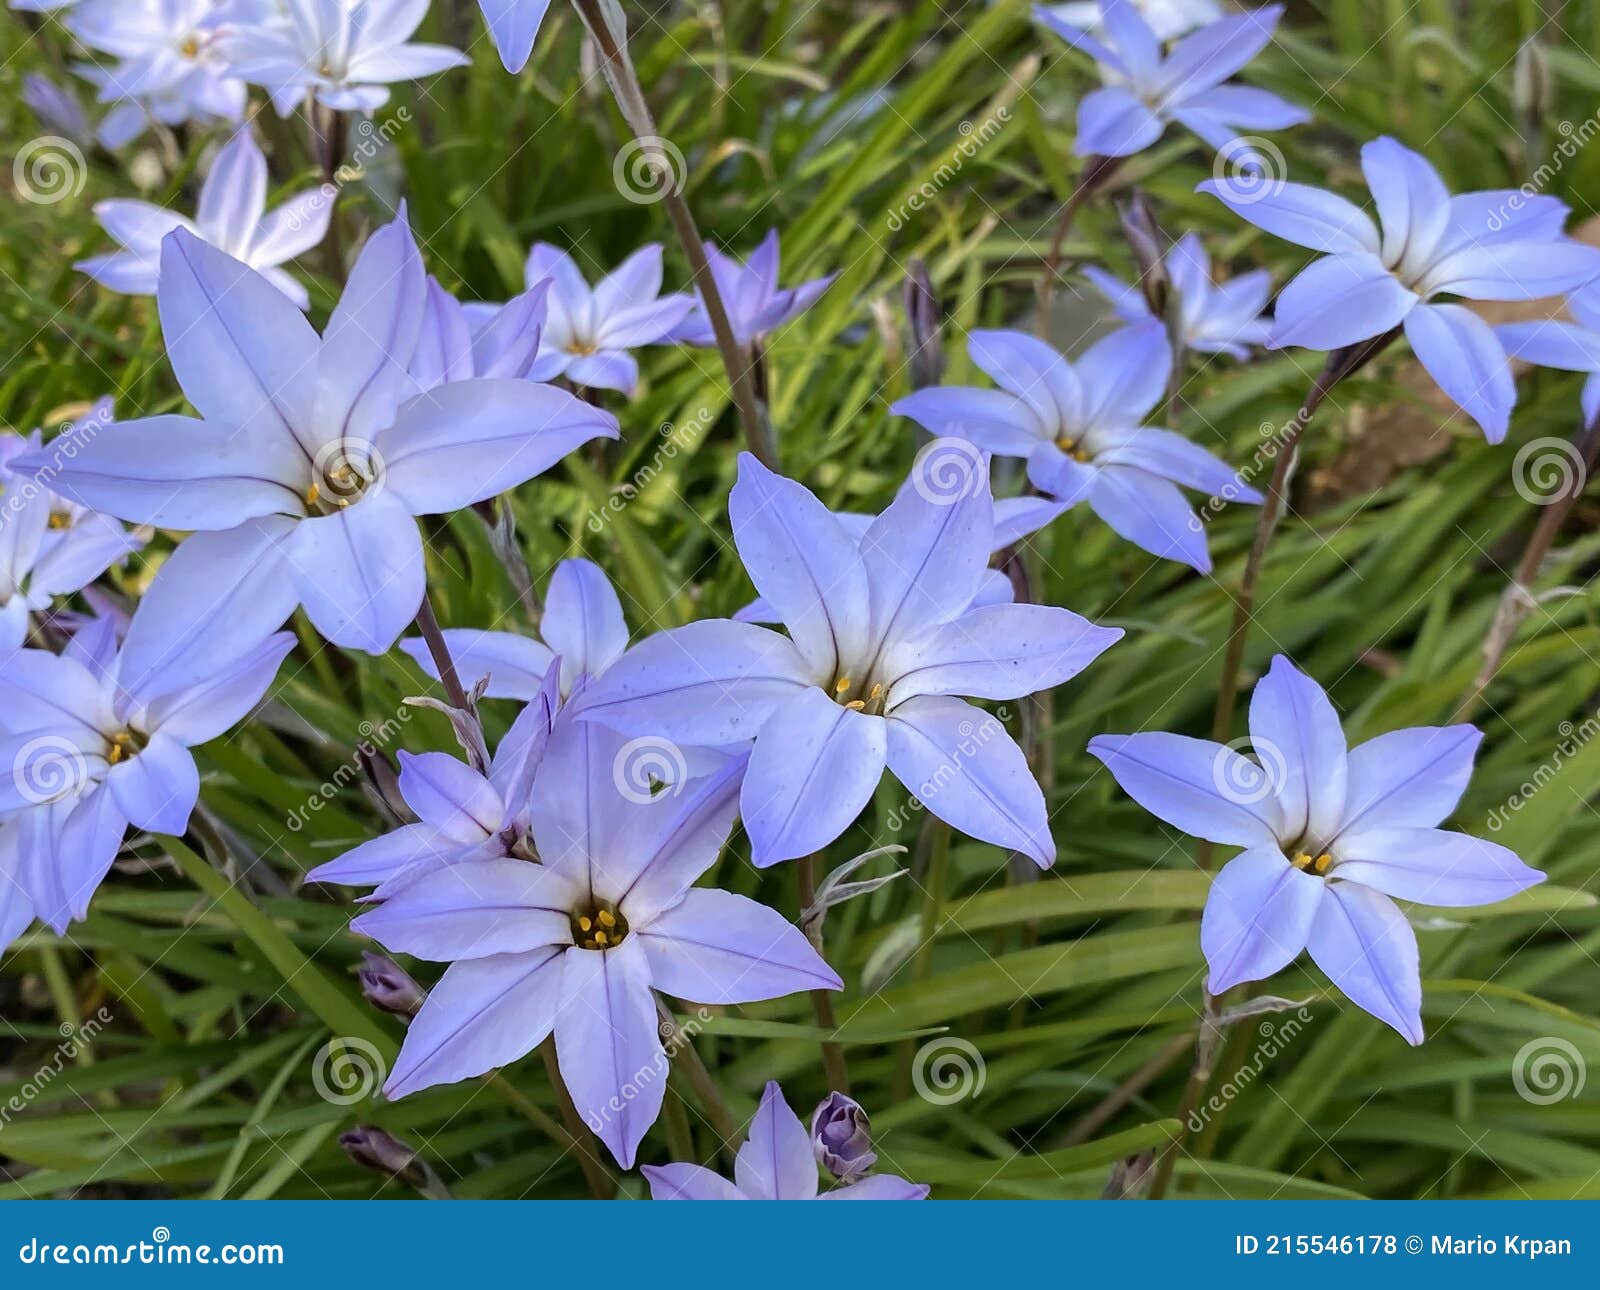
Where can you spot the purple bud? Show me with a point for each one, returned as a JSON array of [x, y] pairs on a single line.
[[841, 1137], [1144, 239], [922, 314], [387, 985], [372, 1148]]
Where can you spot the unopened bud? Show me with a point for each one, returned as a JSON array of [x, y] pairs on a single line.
[[841, 1138], [387, 985]]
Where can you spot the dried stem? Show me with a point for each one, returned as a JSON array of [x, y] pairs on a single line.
[[833, 1062], [630, 100], [1096, 170], [1517, 602], [428, 625]]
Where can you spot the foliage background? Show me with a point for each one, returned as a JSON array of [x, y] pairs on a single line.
[[825, 119]]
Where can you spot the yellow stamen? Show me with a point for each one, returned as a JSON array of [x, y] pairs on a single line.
[[313, 493], [842, 685], [599, 938], [855, 705], [60, 520], [1317, 865], [876, 691], [607, 918], [585, 925]]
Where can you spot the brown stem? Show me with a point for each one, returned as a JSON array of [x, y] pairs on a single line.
[[630, 100], [686, 1058], [1205, 1046], [580, 1138], [1096, 170], [1517, 601], [428, 625], [1092, 1120], [833, 1062], [1341, 363]]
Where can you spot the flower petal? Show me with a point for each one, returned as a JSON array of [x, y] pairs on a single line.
[[158, 788], [1258, 915], [688, 1182], [776, 1162], [815, 767], [513, 25], [716, 947], [1461, 353], [1433, 866], [992, 419], [474, 909], [1408, 778], [1033, 372], [999, 652], [467, 441], [483, 1013], [1205, 789], [514, 664], [803, 564], [1298, 213], [583, 620], [1296, 736], [359, 572], [1114, 122], [1339, 300], [609, 1046], [1369, 951], [1151, 513], [1413, 203], [959, 762], [712, 682], [449, 795]]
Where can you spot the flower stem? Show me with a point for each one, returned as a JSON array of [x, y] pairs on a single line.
[[687, 1058], [1341, 363], [428, 625], [1517, 602], [576, 1134], [833, 1062], [1096, 170], [629, 95]]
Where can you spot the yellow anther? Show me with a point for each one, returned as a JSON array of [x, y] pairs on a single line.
[[585, 925], [115, 755], [60, 520], [313, 493], [855, 705], [842, 684], [607, 918], [876, 691], [599, 938]]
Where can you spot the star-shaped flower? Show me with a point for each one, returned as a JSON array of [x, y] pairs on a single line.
[[1331, 837], [346, 53], [1149, 89], [579, 943], [883, 636], [1571, 346], [1213, 317], [589, 332], [93, 743], [1492, 245], [1081, 428], [755, 303], [232, 217], [775, 1163], [313, 454]]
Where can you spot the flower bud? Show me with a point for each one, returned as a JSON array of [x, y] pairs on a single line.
[[841, 1138], [387, 985], [372, 1148]]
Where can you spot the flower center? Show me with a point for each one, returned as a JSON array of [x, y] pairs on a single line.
[[860, 698], [582, 348], [190, 47], [1072, 447], [60, 520], [598, 926], [123, 745], [339, 479], [1317, 865]]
